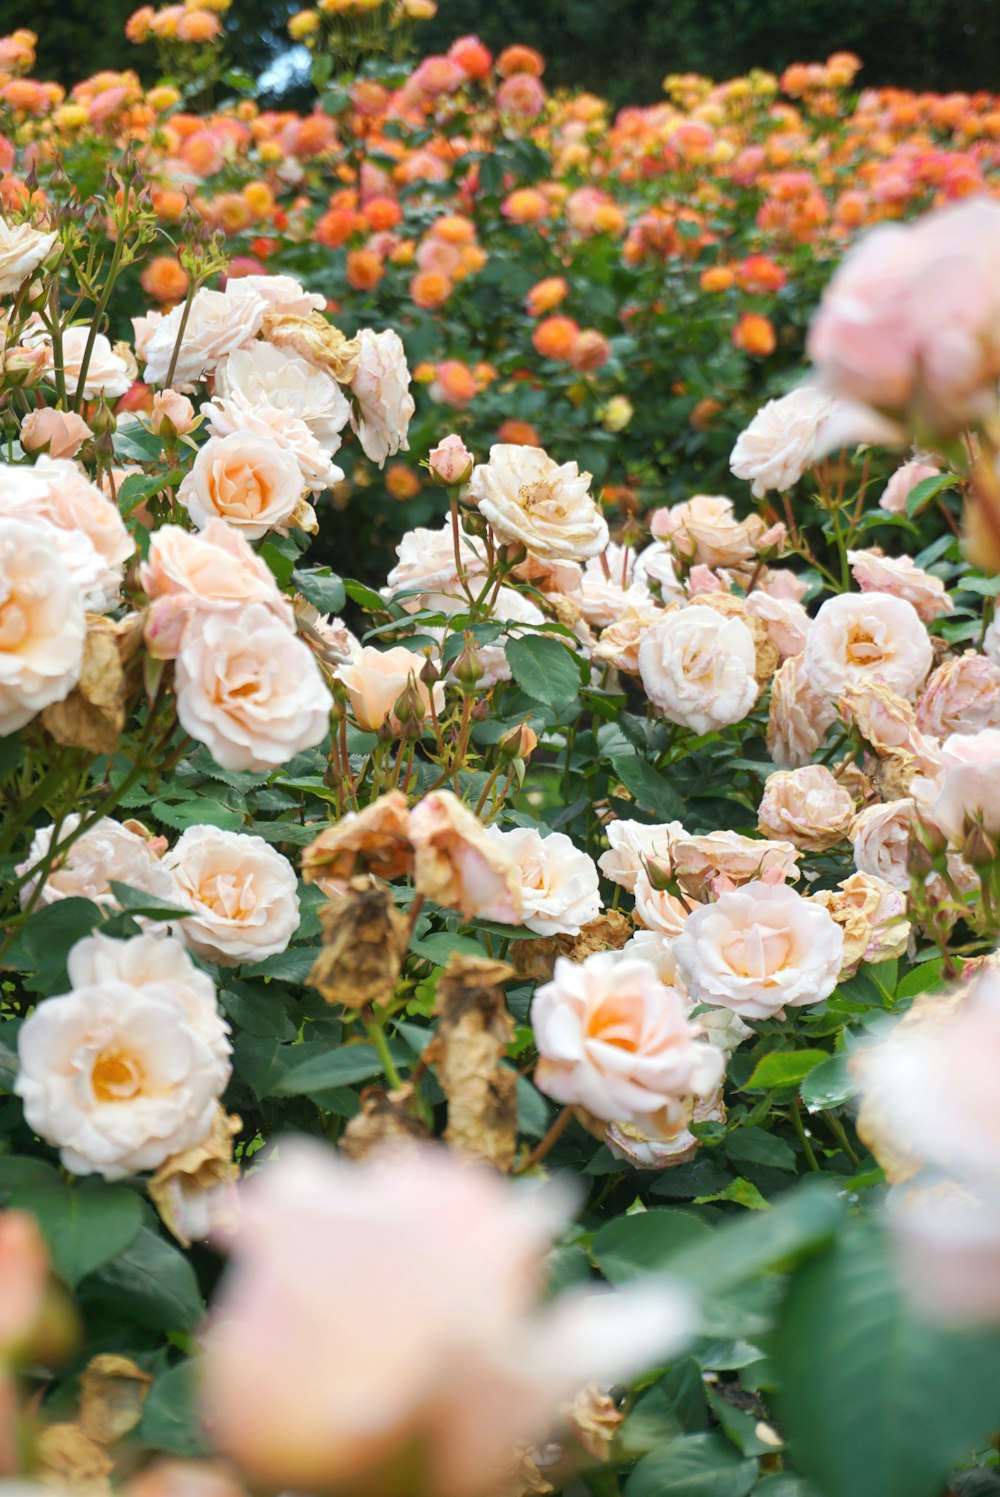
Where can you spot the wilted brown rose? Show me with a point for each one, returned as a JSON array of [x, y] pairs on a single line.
[[314, 339], [383, 1122], [872, 916], [70, 1459], [536, 959], [768, 656], [373, 840], [181, 1187], [472, 1036], [364, 942], [93, 715], [113, 1393], [592, 1421]]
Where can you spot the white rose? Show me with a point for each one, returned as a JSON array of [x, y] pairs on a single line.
[[782, 440], [240, 415], [656, 565], [698, 668], [283, 293], [218, 323], [381, 387], [559, 884], [527, 497], [42, 624], [125, 1069], [90, 538], [630, 844], [243, 894], [426, 560], [604, 595], [107, 852], [22, 250], [859, 635], [264, 375], [758, 950], [107, 374], [249, 690], [881, 836], [614, 1039], [246, 480]]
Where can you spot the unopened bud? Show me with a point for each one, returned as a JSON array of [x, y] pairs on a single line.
[[929, 837], [519, 743], [409, 706], [979, 849], [103, 420], [658, 874], [429, 674], [450, 463], [468, 668]]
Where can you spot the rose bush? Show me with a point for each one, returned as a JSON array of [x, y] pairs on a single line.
[[474, 704]]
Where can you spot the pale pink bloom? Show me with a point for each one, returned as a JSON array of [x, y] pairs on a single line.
[[856, 636], [786, 621], [559, 882], [381, 387], [24, 1280], [655, 566], [426, 561], [172, 406], [619, 643], [241, 891], [961, 696], [782, 583], [966, 791], [521, 94], [376, 679], [458, 866], [480, 1367], [702, 579], [881, 837], [699, 861], [697, 667], [799, 715], [806, 807], [282, 293], [451, 462], [782, 441], [903, 482], [657, 909], [947, 1242], [63, 433], [84, 528], [704, 529], [108, 852], [902, 578]]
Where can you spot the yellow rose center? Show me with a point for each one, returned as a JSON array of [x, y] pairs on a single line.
[[116, 1077], [862, 648]]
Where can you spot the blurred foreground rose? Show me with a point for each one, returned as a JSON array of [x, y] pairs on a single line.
[[337, 1362]]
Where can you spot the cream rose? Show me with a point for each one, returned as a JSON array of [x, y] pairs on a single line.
[[381, 387], [859, 635], [697, 667], [760, 950], [704, 530], [902, 578], [559, 883], [612, 1038], [458, 866], [108, 852], [107, 373], [782, 440], [376, 679], [242, 893], [961, 696], [807, 807], [528, 498], [124, 1069], [657, 909], [22, 250], [426, 561], [246, 480], [798, 717], [42, 624], [249, 690], [217, 324], [91, 538], [264, 375], [282, 293], [631, 844], [881, 836]]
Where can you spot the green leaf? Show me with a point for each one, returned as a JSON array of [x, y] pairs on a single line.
[[546, 670], [336, 1068], [137, 489], [649, 788], [151, 1283], [828, 1084], [695, 1466], [784, 1068], [320, 587], [755, 1146], [293, 965], [643, 1242], [170, 1419], [49, 936], [84, 1225], [927, 489], [197, 812], [138, 902], [365, 597], [877, 1403]]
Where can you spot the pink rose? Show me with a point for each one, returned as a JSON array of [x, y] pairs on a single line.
[[966, 791], [807, 807], [451, 462], [961, 696], [902, 578], [63, 433], [903, 482], [172, 406]]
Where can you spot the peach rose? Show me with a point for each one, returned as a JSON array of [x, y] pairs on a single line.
[[426, 561], [62, 433], [760, 950], [618, 645], [450, 462], [172, 406], [807, 807], [798, 717], [700, 861], [697, 667], [656, 909], [249, 690], [85, 529], [704, 530], [961, 696], [237, 414], [41, 624], [107, 372], [856, 636], [612, 1038], [376, 679], [243, 895], [531, 500], [246, 480], [898, 575], [458, 866], [559, 883]]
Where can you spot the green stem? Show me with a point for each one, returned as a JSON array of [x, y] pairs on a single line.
[[839, 1132], [807, 1147], [376, 1033]]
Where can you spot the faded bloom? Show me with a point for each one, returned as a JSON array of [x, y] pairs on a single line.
[[246, 480], [381, 387], [700, 861], [479, 1367], [243, 895], [902, 578], [760, 950], [807, 807], [124, 1069], [22, 250], [859, 635], [698, 668], [374, 840], [785, 620], [782, 440], [548, 508], [458, 865], [961, 696], [62, 433], [375, 681], [619, 643], [451, 462], [966, 790], [799, 715], [218, 323], [249, 690], [41, 625], [881, 835], [612, 1038], [559, 883], [630, 844], [108, 852], [704, 530], [872, 916]]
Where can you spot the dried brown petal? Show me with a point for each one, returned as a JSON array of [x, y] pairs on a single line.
[[113, 1393], [92, 716], [536, 959], [593, 1420], [365, 939], [374, 839], [472, 1037], [316, 340], [68, 1458], [384, 1122], [768, 657], [194, 1171]]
